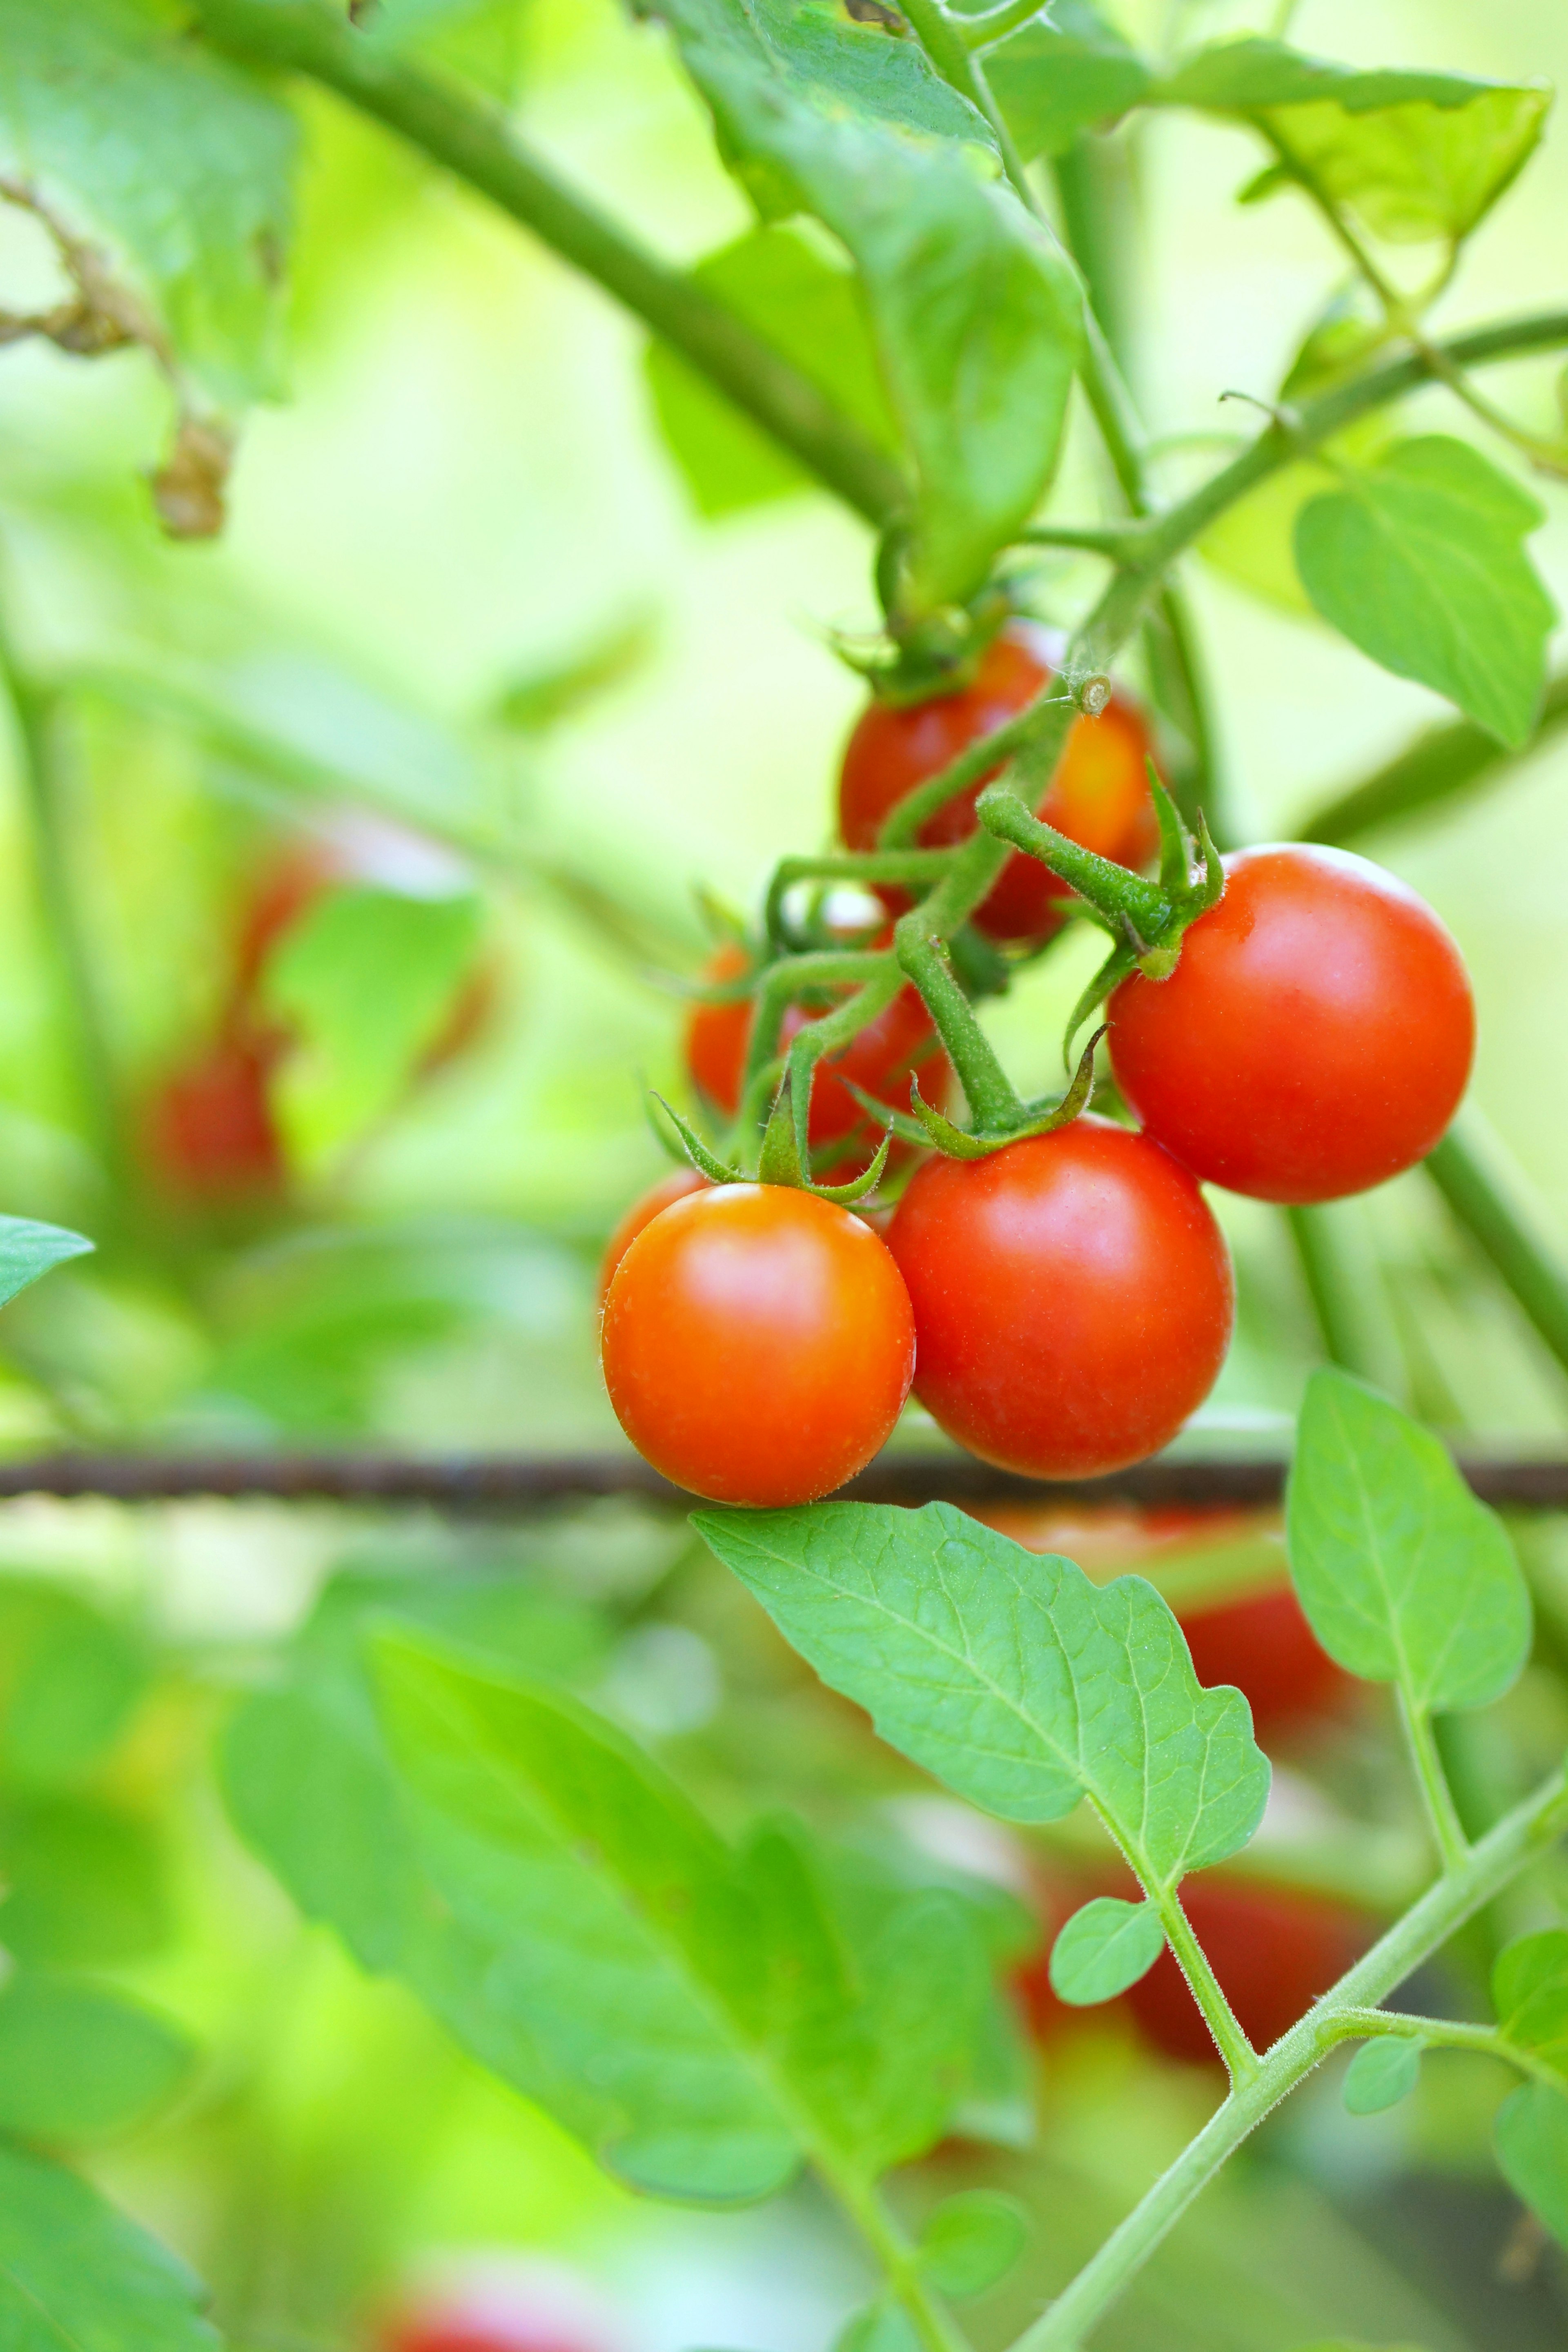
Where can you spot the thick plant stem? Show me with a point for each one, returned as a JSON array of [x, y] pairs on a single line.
[[1499, 1858], [1448, 1833], [993, 1104], [1474, 1173], [474, 143], [1121, 897]]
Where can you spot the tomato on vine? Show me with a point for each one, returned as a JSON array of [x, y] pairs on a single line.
[[757, 1344], [643, 1210], [1072, 1297], [1098, 796], [1315, 1037]]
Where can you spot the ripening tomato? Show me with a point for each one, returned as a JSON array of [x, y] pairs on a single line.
[[1315, 1037], [757, 1344], [505, 2306], [1273, 1950], [643, 1210], [1098, 796], [881, 1058], [1072, 1297], [210, 1136]]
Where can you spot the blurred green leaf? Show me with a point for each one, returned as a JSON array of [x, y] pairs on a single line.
[[76, 2062], [1382, 2073], [365, 980], [73, 2272], [1103, 1949], [1418, 560], [170, 168], [973, 2240], [28, 1250], [1062, 75], [808, 307], [1529, 1994], [974, 316], [881, 2328], [69, 1678], [482, 40], [84, 1885], [1406, 1577], [542, 698], [1416, 155], [1532, 2135], [1009, 1674]]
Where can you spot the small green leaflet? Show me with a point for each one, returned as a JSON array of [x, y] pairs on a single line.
[[1418, 558], [974, 315], [808, 307], [883, 2327], [1531, 2137], [1529, 1994], [1382, 2073], [972, 2241], [1406, 1578], [1008, 1674], [76, 2062], [73, 2272], [1063, 74], [28, 1250], [1103, 1949]]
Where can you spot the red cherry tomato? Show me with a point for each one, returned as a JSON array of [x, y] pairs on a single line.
[[1315, 1037], [1072, 1297], [1273, 1951], [1098, 796], [757, 1344], [210, 1138], [899, 1043], [643, 1210], [1263, 1644], [500, 2306]]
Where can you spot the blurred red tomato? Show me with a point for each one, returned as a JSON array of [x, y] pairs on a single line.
[[210, 1139], [501, 2306]]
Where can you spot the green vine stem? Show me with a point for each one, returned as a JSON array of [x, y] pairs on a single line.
[[1241, 2060], [1444, 2033], [1441, 766], [994, 1106], [1344, 1289], [1121, 896], [474, 143], [1475, 1172], [1447, 1832], [1520, 1839], [849, 865]]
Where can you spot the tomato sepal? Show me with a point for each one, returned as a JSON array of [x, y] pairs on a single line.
[[1039, 1118], [779, 1162]]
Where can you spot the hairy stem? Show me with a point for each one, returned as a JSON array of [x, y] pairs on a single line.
[[849, 866], [993, 1104], [1117, 893], [1443, 2033], [1474, 1173], [1241, 2061], [1442, 1815]]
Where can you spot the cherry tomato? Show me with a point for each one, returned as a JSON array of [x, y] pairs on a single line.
[[1315, 1037], [1072, 1297], [757, 1344], [1098, 796], [881, 1058], [1263, 1644], [643, 1210], [500, 2306], [1273, 1950], [210, 1136]]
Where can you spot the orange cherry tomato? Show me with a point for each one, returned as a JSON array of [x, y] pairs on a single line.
[[757, 1344], [643, 1210]]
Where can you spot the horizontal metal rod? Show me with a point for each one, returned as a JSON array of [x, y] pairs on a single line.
[[485, 1483]]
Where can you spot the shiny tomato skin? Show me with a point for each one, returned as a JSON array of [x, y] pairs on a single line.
[[1073, 1298], [757, 1344], [643, 1210], [1315, 1038], [1098, 796], [899, 1043]]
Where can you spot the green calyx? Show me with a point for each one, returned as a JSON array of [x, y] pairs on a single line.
[[927, 1126], [781, 1158], [919, 657], [1192, 880]]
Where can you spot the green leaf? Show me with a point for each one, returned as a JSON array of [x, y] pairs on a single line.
[[69, 1680], [366, 979], [1103, 1949], [808, 307], [84, 1886], [76, 2062], [73, 2273], [1415, 155], [1531, 2137], [1063, 75], [882, 2328], [972, 2241], [1382, 2073], [974, 315], [1418, 560], [28, 1250], [1008, 1674], [1530, 1993], [1405, 1577]]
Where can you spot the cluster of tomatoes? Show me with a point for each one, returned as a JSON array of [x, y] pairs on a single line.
[[1063, 1304]]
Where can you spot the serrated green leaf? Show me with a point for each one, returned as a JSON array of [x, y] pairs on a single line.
[[1062, 75], [28, 1249], [1103, 1949], [1008, 1674], [972, 2241], [1417, 155], [1419, 561], [76, 2062], [974, 315], [167, 164], [1529, 1994], [365, 981], [1403, 1575], [808, 307], [73, 2272], [1531, 2137], [1382, 2073]]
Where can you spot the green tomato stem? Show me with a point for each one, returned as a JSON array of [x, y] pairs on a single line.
[[1338, 1291], [993, 1105], [1443, 2033], [1442, 1814], [1440, 765], [980, 32], [1241, 2060], [850, 865], [1474, 1173], [1120, 896]]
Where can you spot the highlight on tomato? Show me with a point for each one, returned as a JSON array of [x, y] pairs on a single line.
[[1315, 1037], [1098, 796], [643, 1210], [1072, 1297], [757, 1344]]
